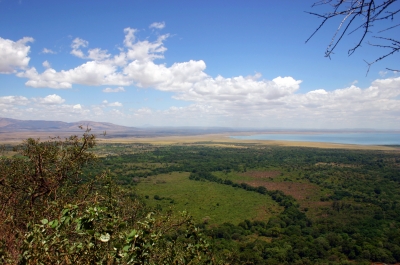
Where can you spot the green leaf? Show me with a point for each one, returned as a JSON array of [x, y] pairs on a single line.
[[53, 224], [44, 221], [132, 233], [65, 211], [126, 248]]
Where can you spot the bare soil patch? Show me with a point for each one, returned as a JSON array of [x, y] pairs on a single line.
[[262, 174], [300, 191], [304, 193]]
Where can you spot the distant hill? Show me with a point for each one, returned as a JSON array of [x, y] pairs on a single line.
[[13, 129], [16, 130], [14, 125]]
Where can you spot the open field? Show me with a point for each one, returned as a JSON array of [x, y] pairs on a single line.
[[305, 193], [205, 201]]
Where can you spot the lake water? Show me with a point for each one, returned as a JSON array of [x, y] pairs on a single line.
[[340, 138]]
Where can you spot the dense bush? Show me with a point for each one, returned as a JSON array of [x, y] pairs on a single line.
[[48, 215]]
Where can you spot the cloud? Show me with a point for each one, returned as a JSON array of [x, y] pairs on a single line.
[[49, 78], [115, 104], [113, 90], [111, 104], [130, 37], [228, 101], [143, 51], [102, 68], [377, 106], [76, 44], [383, 73], [267, 104], [157, 25], [51, 107], [143, 111], [98, 54], [46, 64], [238, 89], [14, 55], [13, 100], [135, 65], [46, 51], [50, 100], [92, 73]]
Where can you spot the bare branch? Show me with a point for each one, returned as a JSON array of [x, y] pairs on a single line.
[[388, 28], [394, 70], [368, 13]]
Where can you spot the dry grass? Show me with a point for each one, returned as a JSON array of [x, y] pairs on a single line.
[[306, 195], [299, 191]]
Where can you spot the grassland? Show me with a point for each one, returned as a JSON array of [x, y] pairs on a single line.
[[205, 201]]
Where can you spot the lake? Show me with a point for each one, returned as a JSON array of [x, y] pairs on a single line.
[[339, 138]]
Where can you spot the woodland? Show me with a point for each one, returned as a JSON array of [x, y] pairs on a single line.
[[77, 201]]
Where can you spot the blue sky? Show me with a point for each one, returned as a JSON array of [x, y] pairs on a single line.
[[190, 63]]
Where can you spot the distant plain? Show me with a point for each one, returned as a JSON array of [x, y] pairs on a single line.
[[204, 139]]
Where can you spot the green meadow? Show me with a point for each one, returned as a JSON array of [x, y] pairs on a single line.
[[206, 201]]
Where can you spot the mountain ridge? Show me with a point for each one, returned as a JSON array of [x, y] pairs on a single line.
[[15, 125]]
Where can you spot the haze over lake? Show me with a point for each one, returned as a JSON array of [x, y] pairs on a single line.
[[339, 138]]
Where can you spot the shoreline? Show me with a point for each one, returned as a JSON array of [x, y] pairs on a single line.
[[225, 140], [217, 139]]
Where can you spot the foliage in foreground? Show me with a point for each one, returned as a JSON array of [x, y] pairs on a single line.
[[48, 216]]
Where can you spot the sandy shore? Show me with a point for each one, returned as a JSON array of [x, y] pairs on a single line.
[[208, 139]]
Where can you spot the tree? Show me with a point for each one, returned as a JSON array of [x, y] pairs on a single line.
[[39, 181], [361, 15], [50, 215]]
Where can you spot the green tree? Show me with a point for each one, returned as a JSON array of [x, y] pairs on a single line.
[[49, 215]]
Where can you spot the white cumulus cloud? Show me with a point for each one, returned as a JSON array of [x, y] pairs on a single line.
[[14, 55], [229, 101], [50, 100]]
